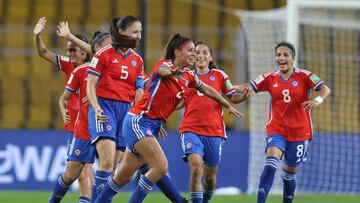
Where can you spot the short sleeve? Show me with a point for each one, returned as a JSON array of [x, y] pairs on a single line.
[[63, 64], [73, 84], [96, 65], [260, 84], [226, 86], [313, 81]]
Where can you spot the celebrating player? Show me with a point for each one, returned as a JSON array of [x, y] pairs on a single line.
[[145, 118], [289, 128], [115, 80], [75, 57], [82, 153], [202, 128]]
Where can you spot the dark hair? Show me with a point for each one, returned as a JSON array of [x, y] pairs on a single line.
[[98, 38], [212, 64], [122, 23], [174, 43], [288, 45], [84, 38]]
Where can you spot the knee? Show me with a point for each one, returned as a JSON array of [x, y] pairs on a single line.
[[210, 179], [106, 164], [196, 170], [162, 168], [69, 178]]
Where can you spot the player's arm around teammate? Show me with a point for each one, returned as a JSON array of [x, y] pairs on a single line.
[[289, 129], [202, 128]]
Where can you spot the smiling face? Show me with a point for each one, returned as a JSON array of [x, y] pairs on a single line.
[[203, 56], [185, 55], [284, 58], [75, 54]]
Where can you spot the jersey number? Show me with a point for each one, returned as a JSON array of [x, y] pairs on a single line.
[[125, 73], [286, 95]]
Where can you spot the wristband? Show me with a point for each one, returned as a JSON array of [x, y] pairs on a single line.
[[319, 100]]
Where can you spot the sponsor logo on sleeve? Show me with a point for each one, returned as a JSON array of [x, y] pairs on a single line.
[[229, 86], [94, 62], [314, 78], [259, 79]]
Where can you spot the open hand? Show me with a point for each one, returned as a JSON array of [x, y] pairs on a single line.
[[40, 25]]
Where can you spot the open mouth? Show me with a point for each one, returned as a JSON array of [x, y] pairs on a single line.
[[282, 63]]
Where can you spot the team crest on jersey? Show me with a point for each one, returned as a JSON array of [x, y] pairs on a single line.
[[77, 152], [109, 127], [188, 145], [133, 63], [212, 78], [295, 83]]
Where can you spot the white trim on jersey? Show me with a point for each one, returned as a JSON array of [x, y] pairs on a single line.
[[221, 72], [103, 49], [153, 95]]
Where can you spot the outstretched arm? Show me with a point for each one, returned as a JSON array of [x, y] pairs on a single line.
[[213, 94], [40, 46], [63, 31]]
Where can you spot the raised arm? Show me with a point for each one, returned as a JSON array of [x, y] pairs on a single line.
[[40, 46], [63, 31], [213, 94]]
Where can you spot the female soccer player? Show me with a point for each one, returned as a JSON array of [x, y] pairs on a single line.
[[202, 128], [142, 123], [289, 128], [115, 80], [75, 57], [82, 153]]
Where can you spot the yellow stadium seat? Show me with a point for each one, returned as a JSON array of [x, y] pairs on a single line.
[[41, 67], [40, 103], [17, 12], [14, 39], [12, 90], [98, 13], [15, 67], [72, 11], [45, 9], [124, 8]]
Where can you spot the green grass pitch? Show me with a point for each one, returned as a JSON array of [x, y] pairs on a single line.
[[41, 197]]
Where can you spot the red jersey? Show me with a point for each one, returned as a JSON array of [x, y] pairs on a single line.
[[287, 114], [202, 114], [63, 63], [118, 74], [164, 94], [77, 81]]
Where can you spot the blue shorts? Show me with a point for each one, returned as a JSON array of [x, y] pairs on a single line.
[[68, 142], [208, 147], [116, 111], [137, 127], [294, 152], [81, 151]]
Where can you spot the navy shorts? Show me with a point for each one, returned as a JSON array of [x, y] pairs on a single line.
[[116, 112], [137, 127], [294, 152], [81, 151], [208, 147]]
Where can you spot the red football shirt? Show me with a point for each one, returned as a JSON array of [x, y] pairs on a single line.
[[202, 114], [117, 73], [77, 81], [163, 94], [287, 114], [63, 63]]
